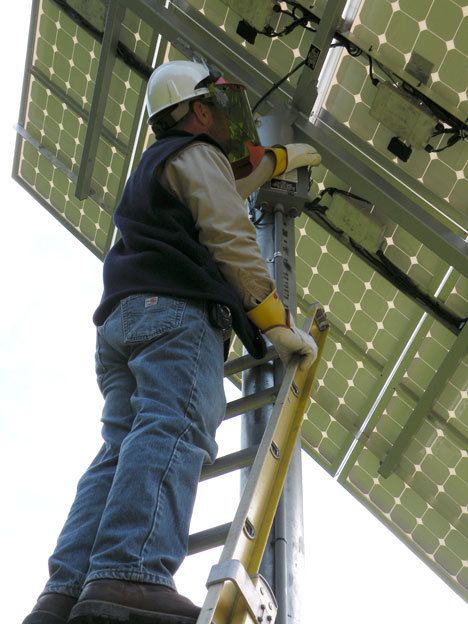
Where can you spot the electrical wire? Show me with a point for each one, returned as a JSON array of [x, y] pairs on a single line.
[[351, 48], [456, 126], [375, 81], [302, 20], [278, 84], [331, 190], [387, 268], [457, 135]]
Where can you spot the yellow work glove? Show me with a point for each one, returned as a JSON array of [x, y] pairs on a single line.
[[271, 317], [294, 155]]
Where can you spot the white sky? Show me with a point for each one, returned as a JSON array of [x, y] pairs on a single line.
[[357, 571]]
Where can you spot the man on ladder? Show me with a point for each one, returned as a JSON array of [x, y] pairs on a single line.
[[186, 267]]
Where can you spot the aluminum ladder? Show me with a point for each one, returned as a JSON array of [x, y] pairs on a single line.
[[237, 594]]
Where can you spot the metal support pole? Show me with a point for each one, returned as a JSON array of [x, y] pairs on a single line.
[[282, 563]]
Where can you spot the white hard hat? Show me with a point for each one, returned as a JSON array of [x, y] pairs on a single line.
[[173, 83]]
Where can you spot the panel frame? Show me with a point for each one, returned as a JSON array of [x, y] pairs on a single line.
[[308, 80], [423, 408], [392, 376], [114, 17]]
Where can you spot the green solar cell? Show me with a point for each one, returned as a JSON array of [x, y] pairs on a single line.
[[449, 454], [444, 19], [457, 543], [343, 308], [417, 9], [364, 326], [340, 103], [436, 469], [366, 38], [328, 450], [381, 498], [453, 72], [361, 122], [340, 253], [355, 400], [457, 488], [403, 519], [330, 268], [447, 559], [430, 47], [321, 289], [376, 15], [425, 539], [73, 215], [337, 434], [400, 32], [136, 35], [352, 287], [440, 178]]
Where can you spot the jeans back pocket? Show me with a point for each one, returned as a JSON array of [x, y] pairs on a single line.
[[147, 316]]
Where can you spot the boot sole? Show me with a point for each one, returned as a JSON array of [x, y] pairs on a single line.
[[44, 617], [98, 612]]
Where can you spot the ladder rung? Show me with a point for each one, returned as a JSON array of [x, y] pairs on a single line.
[[228, 463], [251, 402], [247, 361], [204, 540]]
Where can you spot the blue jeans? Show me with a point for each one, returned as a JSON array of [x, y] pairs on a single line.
[[159, 364]]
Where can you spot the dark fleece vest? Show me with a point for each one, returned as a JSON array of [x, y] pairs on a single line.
[[159, 251]]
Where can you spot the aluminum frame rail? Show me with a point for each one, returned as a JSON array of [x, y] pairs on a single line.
[[114, 17], [438, 382]]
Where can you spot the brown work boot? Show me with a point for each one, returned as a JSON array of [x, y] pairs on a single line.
[[110, 602], [51, 609]]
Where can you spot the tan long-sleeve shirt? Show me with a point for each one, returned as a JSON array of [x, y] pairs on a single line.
[[201, 177]]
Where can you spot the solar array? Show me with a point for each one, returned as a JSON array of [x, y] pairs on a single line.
[[389, 414]]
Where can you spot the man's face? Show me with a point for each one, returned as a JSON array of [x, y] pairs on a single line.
[[219, 129]]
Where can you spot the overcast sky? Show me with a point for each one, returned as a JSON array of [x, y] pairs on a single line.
[[357, 571]]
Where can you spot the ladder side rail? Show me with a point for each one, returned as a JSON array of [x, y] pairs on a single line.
[[249, 531]]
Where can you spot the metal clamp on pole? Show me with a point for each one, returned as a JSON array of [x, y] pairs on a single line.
[[256, 592]]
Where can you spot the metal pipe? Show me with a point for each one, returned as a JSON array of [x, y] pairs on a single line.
[[247, 361], [228, 463], [283, 559], [251, 401], [204, 540]]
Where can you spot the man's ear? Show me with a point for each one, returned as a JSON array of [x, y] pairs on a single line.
[[202, 113]]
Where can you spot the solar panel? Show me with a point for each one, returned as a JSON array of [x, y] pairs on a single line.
[[391, 395]]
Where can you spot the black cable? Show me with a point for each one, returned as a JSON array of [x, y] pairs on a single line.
[[457, 125], [374, 80], [406, 282], [303, 20], [278, 84], [351, 48], [331, 190], [388, 269], [456, 136]]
